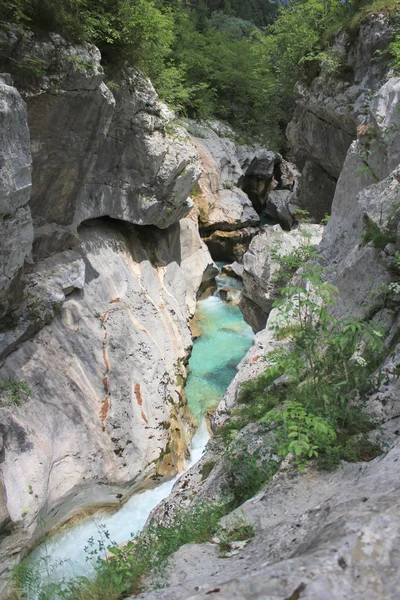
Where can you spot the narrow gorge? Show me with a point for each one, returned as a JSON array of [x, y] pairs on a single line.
[[199, 335]]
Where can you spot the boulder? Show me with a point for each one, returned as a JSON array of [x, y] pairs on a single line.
[[221, 204], [198, 268], [281, 206], [146, 166], [228, 246], [97, 155], [261, 268], [316, 191]]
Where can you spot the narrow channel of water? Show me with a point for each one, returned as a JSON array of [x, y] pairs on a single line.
[[224, 340]]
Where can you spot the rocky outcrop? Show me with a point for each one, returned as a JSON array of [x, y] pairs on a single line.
[[222, 205], [16, 230], [230, 245], [94, 153], [235, 188], [100, 336], [261, 267], [330, 110], [311, 542], [104, 386]]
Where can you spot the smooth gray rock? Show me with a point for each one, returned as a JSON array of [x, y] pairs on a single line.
[[357, 269], [281, 205], [69, 115], [221, 204], [95, 155], [105, 375], [228, 246], [146, 166], [316, 191], [16, 230], [260, 267]]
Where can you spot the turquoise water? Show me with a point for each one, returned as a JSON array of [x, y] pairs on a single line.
[[224, 340]]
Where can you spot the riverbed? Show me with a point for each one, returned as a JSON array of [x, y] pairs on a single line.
[[224, 340]]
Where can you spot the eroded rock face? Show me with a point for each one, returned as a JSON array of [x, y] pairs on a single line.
[[347, 257], [330, 110], [221, 204], [260, 266], [146, 166], [228, 246], [106, 375], [236, 185], [95, 154], [16, 230], [102, 333], [311, 542]]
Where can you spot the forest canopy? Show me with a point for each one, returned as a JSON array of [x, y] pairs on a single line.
[[233, 60]]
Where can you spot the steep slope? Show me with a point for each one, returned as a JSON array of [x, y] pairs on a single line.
[[320, 535]]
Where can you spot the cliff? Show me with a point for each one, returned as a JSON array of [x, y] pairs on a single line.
[[101, 265]]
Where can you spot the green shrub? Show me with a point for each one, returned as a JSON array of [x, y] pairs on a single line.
[[238, 530], [247, 473], [11, 391], [206, 469]]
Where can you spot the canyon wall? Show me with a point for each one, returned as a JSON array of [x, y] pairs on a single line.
[[320, 534], [101, 266]]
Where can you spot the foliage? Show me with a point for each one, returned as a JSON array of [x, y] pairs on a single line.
[[138, 31], [206, 469], [227, 59], [247, 472], [12, 390], [238, 530], [299, 432], [328, 367], [291, 261], [381, 236], [119, 570]]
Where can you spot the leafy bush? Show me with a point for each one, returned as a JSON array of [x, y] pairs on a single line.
[[247, 473], [329, 367], [300, 433], [12, 390]]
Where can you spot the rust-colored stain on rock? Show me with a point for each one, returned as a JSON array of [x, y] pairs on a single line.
[[104, 412], [138, 394]]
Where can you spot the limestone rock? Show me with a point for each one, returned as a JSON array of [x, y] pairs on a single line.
[[281, 205], [16, 230], [310, 540], [329, 111], [260, 267], [221, 204], [146, 166], [95, 155], [234, 270], [105, 375], [346, 257], [198, 268], [69, 114], [228, 246]]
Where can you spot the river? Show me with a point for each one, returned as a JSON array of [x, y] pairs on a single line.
[[224, 340]]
